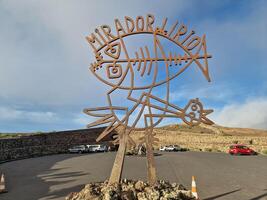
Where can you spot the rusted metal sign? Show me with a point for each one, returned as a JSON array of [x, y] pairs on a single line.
[[124, 68]]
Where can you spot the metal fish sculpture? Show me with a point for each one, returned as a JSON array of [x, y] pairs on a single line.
[[124, 68]]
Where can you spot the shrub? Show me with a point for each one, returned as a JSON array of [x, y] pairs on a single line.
[[208, 149], [264, 151], [216, 150]]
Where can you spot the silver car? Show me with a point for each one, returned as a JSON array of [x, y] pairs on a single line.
[[78, 149], [97, 148]]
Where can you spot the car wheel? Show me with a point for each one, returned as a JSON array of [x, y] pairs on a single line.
[[80, 152]]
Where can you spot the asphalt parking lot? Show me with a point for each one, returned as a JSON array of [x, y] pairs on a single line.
[[218, 175]]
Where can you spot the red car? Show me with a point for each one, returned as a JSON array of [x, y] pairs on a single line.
[[239, 149]]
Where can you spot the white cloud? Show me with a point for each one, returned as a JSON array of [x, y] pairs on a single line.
[[83, 119], [213, 92], [250, 114], [9, 114], [44, 56]]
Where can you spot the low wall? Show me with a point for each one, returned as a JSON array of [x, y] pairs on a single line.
[[47, 143]]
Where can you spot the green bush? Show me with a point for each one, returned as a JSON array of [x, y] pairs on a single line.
[[264, 151]]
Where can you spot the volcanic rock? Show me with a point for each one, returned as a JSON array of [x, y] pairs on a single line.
[[132, 190]]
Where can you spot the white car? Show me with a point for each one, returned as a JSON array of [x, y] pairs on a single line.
[[97, 148], [170, 148], [78, 149]]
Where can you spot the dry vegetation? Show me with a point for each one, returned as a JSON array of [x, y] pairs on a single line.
[[209, 138], [199, 138]]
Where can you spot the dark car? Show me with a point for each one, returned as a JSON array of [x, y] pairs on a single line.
[[239, 149]]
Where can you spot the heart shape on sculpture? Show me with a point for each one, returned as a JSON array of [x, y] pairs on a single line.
[[113, 50]]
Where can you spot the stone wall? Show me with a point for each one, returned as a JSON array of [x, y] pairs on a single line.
[[47, 143]]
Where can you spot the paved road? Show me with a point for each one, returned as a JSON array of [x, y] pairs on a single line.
[[219, 176]]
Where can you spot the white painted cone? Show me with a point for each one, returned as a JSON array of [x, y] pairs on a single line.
[[2, 184], [194, 188]]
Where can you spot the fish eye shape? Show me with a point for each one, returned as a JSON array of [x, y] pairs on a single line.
[[114, 71], [194, 107], [113, 50]]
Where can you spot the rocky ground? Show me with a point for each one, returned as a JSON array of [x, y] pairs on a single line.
[[132, 190]]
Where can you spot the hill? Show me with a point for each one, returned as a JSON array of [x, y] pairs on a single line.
[[208, 138], [199, 138]]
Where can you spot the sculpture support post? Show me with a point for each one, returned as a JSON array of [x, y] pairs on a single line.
[[118, 163], [151, 169]]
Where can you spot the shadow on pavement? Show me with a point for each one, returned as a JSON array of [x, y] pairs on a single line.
[[64, 192], [221, 195], [38, 178], [260, 196], [62, 175], [131, 155]]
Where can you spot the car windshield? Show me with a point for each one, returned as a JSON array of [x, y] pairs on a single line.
[[78, 147]]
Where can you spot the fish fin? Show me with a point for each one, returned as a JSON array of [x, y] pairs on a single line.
[[96, 112], [149, 60], [103, 120], [204, 119], [203, 50]]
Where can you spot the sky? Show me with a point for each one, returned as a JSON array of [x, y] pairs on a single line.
[[44, 57]]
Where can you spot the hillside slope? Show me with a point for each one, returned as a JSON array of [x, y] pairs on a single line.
[[208, 138]]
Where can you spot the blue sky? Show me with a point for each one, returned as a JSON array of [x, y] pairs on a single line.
[[44, 58]]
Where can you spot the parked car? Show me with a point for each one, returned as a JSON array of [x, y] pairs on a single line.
[[170, 148], [239, 149], [78, 149], [97, 148]]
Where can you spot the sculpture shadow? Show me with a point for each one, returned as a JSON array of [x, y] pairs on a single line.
[[221, 195], [260, 196], [132, 155], [32, 179], [227, 193], [157, 154]]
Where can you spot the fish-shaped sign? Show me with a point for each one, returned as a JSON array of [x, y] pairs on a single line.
[[164, 54]]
